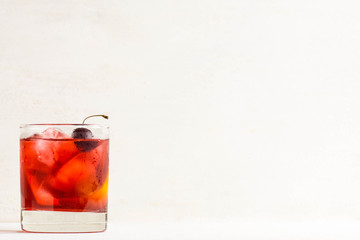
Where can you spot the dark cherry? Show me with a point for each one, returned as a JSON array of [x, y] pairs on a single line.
[[84, 133]]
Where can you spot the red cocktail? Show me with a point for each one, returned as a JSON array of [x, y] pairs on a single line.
[[65, 173]]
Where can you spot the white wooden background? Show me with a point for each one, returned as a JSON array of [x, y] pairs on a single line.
[[219, 109]]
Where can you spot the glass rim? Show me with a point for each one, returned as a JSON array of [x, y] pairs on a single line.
[[63, 124]]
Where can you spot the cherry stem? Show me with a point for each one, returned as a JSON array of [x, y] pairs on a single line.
[[104, 116]]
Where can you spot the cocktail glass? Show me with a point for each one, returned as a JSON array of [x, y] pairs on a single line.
[[64, 177]]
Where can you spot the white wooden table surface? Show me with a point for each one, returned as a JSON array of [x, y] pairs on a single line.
[[205, 230]]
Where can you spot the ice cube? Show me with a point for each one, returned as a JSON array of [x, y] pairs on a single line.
[[54, 133], [37, 155], [42, 196], [83, 174], [77, 175], [64, 151], [47, 155]]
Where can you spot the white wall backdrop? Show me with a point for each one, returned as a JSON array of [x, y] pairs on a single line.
[[243, 109]]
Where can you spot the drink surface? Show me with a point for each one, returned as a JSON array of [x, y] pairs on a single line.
[[64, 174]]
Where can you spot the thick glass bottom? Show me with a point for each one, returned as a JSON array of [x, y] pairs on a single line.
[[61, 222]]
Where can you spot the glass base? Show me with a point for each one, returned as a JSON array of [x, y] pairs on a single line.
[[56, 221]]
